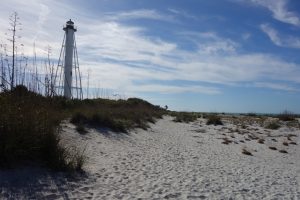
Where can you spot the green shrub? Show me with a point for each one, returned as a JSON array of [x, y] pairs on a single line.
[[78, 118], [81, 129], [273, 126], [120, 115], [30, 125], [185, 117], [286, 116], [251, 114], [214, 119], [29, 130], [108, 121]]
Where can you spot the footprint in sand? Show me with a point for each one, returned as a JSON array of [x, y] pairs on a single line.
[[84, 189], [170, 196], [197, 197]]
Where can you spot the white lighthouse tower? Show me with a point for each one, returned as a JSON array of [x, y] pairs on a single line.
[[68, 65]]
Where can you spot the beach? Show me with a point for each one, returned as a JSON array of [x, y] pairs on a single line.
[[170, 161]]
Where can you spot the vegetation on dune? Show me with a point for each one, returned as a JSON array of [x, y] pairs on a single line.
[[214, 120], [251, 114], [119, 116], [29, 131], [30, 125], [273, 125], [286, 116], [184, 116]]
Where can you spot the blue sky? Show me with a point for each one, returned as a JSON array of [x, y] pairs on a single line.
[[209, 55]]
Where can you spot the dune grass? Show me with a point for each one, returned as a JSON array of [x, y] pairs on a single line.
[[214, 120], [80, 128], [185, 117], [119, 116], [29, 131], [286, 116], [273, 125], [30, 125]]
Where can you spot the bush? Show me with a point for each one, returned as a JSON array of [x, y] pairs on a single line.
[[29, 130], [108, 121], [185, 117], [78, 118], [120, 116], [273, 126], [251, 114], [214, 119], [30, 125], [81, 129], [286, 116]]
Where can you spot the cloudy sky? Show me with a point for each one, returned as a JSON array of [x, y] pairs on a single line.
[[208, 55]]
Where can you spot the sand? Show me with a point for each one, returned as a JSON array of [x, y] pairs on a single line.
[[170, 161]]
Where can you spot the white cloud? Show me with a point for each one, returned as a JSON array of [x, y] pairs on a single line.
[[238, 68], [174, 89], [272, 33], [276, 86], [119, 54], [280, 40], [246, 36], [43, 14], [138, 14], [279, 10], [210, 42], [182, 13]]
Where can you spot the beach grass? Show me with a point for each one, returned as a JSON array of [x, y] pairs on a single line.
[[30, 125], [119, 116], [29, 130], [214, 120], [184, 116]]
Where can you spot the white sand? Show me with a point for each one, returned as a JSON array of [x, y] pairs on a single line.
[[169, 161]]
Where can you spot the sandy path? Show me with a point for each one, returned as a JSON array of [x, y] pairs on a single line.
[[170, 161]]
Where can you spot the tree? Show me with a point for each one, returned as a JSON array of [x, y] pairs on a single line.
[[14, 27], [4, 65]]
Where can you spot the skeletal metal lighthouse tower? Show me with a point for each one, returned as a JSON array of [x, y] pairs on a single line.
[[68, 65]]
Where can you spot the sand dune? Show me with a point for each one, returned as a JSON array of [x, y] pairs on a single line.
[[170, 161]]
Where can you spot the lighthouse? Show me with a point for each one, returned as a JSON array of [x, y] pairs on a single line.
[[69, 50], [67, 70]]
